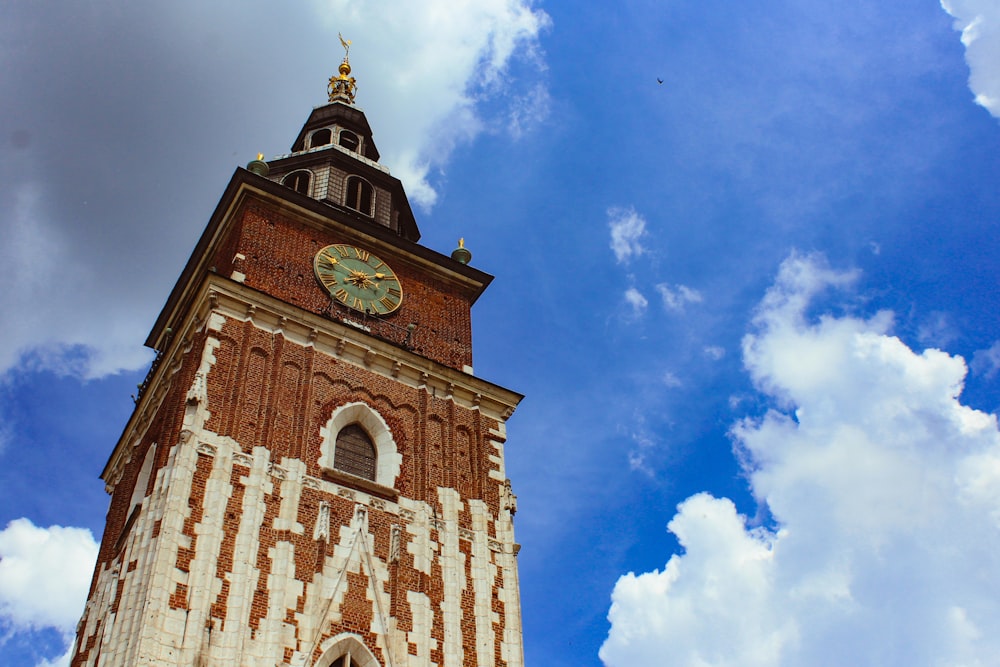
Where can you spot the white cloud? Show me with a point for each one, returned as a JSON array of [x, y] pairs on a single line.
[[671, 380], [61, 661], [678, 296], [443, 88], [643, 444], [39, 295], [92, 239], [885, 494], [528, 110], [714, 352], [979, 23], [937, 330], [636, 300], [627, 229], [987, 362], [44, 575]]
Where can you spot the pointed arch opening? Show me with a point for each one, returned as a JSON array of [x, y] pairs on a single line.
[[346, 650], [358, 442]]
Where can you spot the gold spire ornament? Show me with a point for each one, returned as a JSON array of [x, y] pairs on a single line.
[[343, 87], [258, 166], [461, 254]]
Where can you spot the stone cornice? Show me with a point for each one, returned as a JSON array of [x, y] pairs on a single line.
[[352, 344]]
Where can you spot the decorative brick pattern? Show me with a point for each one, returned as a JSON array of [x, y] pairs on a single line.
[[247, 577]]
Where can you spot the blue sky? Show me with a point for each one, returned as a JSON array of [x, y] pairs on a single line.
[[753, 309]]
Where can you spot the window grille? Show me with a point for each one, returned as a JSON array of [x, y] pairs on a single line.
[[355, 452]]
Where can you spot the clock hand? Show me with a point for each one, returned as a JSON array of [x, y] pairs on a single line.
[[332, 263]]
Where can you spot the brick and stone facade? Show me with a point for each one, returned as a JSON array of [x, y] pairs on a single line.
[[232, 538]]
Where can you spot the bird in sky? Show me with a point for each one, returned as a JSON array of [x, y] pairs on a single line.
[[659, 81]]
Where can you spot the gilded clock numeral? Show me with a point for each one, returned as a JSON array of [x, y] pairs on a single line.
[[341, 294], [393, 292], [379, 265], [344, 250], [363, 255], [329, 280], [359, 303], [327, 263], [388, 303]]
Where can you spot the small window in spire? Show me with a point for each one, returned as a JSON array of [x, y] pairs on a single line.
[[349, 140], [359, 195], [298, 181], [320, 138]]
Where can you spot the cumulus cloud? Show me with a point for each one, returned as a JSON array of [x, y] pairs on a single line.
[[31, 293], [979, 23], [94, 232], [678, 296], [44, 575], [885, 496], [443, 89], [627, 229]]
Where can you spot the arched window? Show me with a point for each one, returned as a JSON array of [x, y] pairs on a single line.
[[320, 138], [342, 444], [349, 140], [359, 195], [354, 452], [298, 181]]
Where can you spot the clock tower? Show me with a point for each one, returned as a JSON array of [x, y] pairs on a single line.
[[313, 475]]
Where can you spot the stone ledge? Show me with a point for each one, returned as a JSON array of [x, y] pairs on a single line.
[[361, 484]]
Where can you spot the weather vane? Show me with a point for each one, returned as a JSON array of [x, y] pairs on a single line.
[[343, 86]]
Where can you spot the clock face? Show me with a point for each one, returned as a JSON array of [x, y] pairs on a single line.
[[358, 279]]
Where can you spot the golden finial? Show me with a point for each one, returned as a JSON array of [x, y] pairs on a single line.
[[461, 254], [258, 166], [344, 86]]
